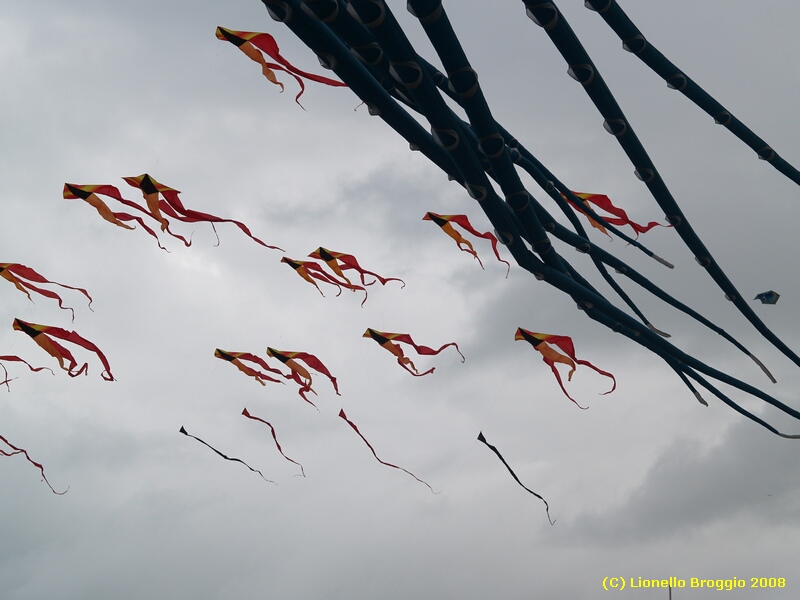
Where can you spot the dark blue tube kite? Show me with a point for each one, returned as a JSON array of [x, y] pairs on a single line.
[[361, 41]]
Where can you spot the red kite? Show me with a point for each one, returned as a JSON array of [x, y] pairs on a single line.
[[353, 425], [386, 340], [251, 42], [236, 359], [15, 450], [300, 374], [274, 437], [172, 206], [339, 262], [310, 270], [18, 359], [620, 216], [22, 276], [446, 223], [552, 356], [89, 193], [41, 335]]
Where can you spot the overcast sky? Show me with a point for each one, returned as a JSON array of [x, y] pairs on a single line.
[[645, 483]]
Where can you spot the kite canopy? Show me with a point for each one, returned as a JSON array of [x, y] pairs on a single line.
[[769, 297]]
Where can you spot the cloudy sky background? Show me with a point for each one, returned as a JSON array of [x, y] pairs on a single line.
[[646, 483]]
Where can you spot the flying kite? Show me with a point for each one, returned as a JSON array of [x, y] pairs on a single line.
[[11, 357], [89, 194], [15, 450], [172, 206], [368, 50], [446, 223], [482, 439], [236, 358], [340, 262], [309, 270], [22, 276], [769, 297], [353, 425], [387, 341], [250, 43], [247, 414], [225, 456], [300, 374], [551, 356], [43, 336], [620, 216]]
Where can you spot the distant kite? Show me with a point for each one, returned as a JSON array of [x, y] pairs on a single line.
[[620, 216], [274, 437], [309, 270], [15, 450], [18, 359], [769, 297], [353, 425], [236, 358], [172, 206], [339, 262], [225, 456], [386, 340], [22, 276], [251, 42], [300, 374], [514, 475], [550, 356], [446, 223], [41, 334]]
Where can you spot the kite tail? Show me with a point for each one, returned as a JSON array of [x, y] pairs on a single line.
[[186, 433], [609, 375], [33, 462], [274, 437], [415, 372], [482, 439], [32, 275], [353, 425], [561, 383]]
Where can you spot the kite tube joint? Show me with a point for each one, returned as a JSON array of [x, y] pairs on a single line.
[[544, 14]]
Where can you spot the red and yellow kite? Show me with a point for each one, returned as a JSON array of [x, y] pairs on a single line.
[[250, 43], [15, 450], [236, 359], [89, 193], [299, 373], [41, 334], [22, 276], [620, 217], [551, 356], [340, 262], [247, 414], [386, 340], [310, 271], [446, 223], [172, 206]]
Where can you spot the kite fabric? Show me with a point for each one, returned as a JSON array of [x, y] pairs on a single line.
[[353, 425], [446, 223], [226, 457], [482, 439], [368, 50], [170, 204], [236, 358], [23, 278], [386, 340], [300, 374], [550, 356], [250, 43], [11, 357], [770, 297], [247, 414], [15, 450], [340, 262], [620, 216], [41, 334], [310, 271]]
